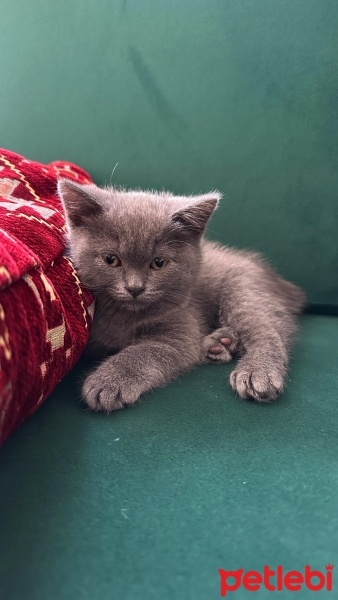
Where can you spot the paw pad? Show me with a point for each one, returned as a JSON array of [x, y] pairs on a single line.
[[218, 347]]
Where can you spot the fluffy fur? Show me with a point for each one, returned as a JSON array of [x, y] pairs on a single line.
[[152, 322]]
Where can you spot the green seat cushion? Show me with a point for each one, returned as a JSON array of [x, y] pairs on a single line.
[[236, 95], [150, 502]]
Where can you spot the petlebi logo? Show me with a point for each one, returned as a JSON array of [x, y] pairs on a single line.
[[276, 580]]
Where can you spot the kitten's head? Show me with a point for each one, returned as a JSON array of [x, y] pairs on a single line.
[[138, 248]]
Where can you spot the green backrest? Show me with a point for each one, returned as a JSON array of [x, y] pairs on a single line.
[[239, 95]]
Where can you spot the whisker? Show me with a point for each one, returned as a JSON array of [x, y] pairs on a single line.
[[112, 174]]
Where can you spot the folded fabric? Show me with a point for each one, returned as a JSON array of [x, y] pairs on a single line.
[[45, 313]]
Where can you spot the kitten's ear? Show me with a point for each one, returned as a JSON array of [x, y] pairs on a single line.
[[80, 201], [194, 216]]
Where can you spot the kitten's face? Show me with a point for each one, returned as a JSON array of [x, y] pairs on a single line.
[[140, 249]]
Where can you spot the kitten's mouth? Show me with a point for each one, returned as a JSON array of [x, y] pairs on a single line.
[[135, 303], [141, 302], [135, 300]]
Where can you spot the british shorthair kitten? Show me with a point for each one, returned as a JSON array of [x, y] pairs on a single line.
[[167, 299]]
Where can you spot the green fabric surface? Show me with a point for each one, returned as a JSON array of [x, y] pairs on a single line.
[[236, 95], [150, 502]]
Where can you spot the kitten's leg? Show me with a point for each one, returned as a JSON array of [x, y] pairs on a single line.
[[264, 320], [219, 346], [121, 379]]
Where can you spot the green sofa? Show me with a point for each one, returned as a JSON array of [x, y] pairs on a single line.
[[239, 95]]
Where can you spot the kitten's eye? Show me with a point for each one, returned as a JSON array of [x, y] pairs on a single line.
[[158, 263], [112, 260]]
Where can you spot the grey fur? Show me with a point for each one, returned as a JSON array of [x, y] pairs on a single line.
[[206, 293]]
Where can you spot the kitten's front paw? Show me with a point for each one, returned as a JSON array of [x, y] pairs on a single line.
[[219, 346], [258, 383], [109, 389]]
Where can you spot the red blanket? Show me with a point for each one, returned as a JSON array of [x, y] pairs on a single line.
[[45, 314]]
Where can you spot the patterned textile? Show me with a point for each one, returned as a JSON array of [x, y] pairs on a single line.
[[45, 314]]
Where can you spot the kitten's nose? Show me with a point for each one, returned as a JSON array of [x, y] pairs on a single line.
[[135, 290]]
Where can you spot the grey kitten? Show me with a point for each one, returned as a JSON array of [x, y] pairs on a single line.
[[167, 299]]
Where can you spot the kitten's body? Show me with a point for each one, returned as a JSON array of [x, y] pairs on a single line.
[[209, 303]]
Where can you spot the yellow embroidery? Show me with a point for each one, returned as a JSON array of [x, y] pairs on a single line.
[[5, 272], [79, 290], [43, 369], [31, 218], [56, 336], [4, 339], [28, 279], [22, 178], [49, 288]]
